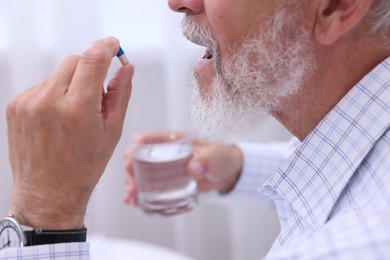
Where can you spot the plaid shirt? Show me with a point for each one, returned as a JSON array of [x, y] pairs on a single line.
[[67, 251], [332, 194]]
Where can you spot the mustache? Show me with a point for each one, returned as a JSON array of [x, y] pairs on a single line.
[[199, 34]]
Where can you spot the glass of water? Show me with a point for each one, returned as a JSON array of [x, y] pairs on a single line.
[[164, 188]]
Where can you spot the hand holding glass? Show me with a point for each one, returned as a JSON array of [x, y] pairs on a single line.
[[164, 188]]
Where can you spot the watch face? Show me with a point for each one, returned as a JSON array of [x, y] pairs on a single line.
[[11, 234]]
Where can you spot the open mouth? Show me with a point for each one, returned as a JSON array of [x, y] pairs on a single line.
[[205, 65], [207, 55]]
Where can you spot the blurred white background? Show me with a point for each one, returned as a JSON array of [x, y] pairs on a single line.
[[36, 35]]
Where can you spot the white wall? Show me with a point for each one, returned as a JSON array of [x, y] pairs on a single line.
[[150, 35]]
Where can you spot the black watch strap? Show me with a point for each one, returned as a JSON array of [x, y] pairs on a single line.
[[42, 237]]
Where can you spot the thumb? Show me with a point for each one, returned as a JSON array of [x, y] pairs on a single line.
[[196, 169], [116, 99]]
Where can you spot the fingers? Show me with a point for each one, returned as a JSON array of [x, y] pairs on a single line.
[[200, 161], [60, 79], [116, 99], [213, 166], [196, 169], [205, 186], [92, 69], [131, 188], [131, 191]]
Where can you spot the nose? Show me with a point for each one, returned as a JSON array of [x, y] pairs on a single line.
[[186, 6]]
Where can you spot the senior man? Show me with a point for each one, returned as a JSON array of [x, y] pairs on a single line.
[[320, 67]]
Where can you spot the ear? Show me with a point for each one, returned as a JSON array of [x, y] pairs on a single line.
[[334, 18]]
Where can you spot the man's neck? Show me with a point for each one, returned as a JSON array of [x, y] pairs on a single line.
[[339, 69]]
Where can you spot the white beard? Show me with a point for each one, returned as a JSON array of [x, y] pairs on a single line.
[[251, 83]]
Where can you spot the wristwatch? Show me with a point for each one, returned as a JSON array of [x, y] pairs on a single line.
[[12, 234]]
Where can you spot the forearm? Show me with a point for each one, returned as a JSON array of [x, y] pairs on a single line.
[[56, 162]]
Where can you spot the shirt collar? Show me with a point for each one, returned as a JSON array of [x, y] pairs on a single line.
[[314, 176]]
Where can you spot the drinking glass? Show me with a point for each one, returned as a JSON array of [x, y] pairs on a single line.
[[164, 188]]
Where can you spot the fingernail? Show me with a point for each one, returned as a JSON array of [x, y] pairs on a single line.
[[198, 168]]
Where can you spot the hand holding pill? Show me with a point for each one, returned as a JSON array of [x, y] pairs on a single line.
[[62, 132]]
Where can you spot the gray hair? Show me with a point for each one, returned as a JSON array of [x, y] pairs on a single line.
[[379, 18]]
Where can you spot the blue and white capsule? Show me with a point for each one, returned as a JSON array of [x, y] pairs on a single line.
[[122, 56]]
